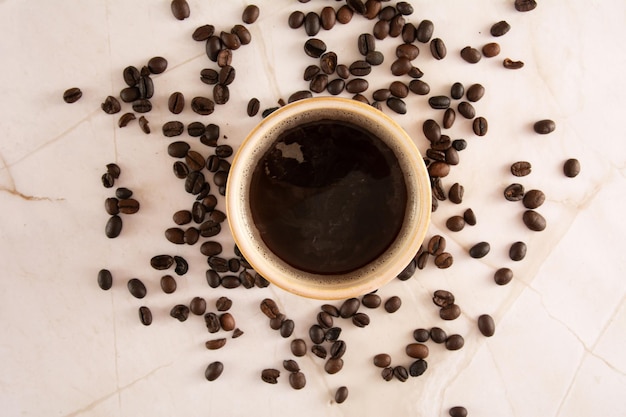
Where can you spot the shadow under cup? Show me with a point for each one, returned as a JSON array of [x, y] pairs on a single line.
[[261, 142]]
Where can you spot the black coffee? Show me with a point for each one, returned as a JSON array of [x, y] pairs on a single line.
[[328, 197]]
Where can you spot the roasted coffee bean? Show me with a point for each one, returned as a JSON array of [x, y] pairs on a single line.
[[212, 322], [209, 76], [382, 360], [387, 373], [470, 55], [72, 95], [230, 281], [357, 5], [330, 309], [168, 284], [105, 279], [136, 288], [111, 205], [439, 102], [438, 49], [247, 279], [182, 266], [431, 130], [349, 307], [250, 14], [343, 71], [409, 33], [227, 321], [314, 47], [469, 217], [401, 373], [455, 342], [444, 260], [128, 206], [325, 320], [328, 18], [297, 380], [449, 117], [534, 221], [192, 235], [338, 349], [173, 128], [176, 102], [271, 310], [486, 325], [229, 41], [162, 262], [142, 106], [219, 264], [571, 168], [397, 105], [457, 91], [459, 144], [131, 75], [475, 92], [234, 265], [450, 312], [341, 395], [111, 105], [213, 163], [406, 273], [180, 170], [221, 94], [202, 33], [438, 169], [220, 179], [291, 366], [319, 351], [145, 316], [202, 105], [377, 106], [197, 306], [407, 51], [425, 31], [194, 182], [270, 375], [253, 107], [344, 14], [157, 65], [214, 370], [242, 32], [533, 199], [543, 127], [336, 86], [366, 43], [438, 335], [146, 87], [360, 320], [436, 245], [286, 328], [401, 66], [455, 223], [215, 344], [491, 49], [357, 85], [296, 19], [514, 192], [226, 75], [198, 212], [393, 304], [213, 278], [417, 350], [525, 5], [419, 87], [125, 119], [508, 63], [333, 365], [456, 193], [466, 110], [480, 126], [210, 248], [360, 68], [374, 58], [443, 298], [371, 300], [223, 151], [381, 29], [180, 9], [319, 83], [517, 251], [113, 227], [372, 9], [299, 95], [503, 276], [332, 334], [500, 28], [312, 23], [479, 250], [298, 347], [421, 335], [316, 333], [224, 57], [521, 168], [418, 368]]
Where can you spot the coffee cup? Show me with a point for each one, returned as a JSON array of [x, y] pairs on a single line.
[[328, 198]]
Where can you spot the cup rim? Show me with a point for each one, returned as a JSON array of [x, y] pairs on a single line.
[[242, 228]]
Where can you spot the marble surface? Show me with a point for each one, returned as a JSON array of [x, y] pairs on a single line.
[[71, 349]]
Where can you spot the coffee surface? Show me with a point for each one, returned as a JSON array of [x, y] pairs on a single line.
[[328, 197]]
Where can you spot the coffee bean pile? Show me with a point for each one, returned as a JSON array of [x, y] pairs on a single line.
[[204, 177]]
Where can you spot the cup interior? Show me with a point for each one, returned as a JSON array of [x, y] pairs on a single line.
[[328, 286]]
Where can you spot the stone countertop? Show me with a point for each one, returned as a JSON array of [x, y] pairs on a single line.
[[70, 349]]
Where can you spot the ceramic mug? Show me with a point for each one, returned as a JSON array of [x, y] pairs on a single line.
[[375, 273]]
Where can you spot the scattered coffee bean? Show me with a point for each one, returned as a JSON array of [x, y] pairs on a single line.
[[469, 217], [443, 298], [180, 9], [145, 316], [393, 304], [349, 307], [381, 29], [168, 284], [296, 19], [338, 349], [312, 23], [455, 223], [571, 168], [111, 105], [215, 344], [508, 63], [475, 92], [455, 342], [418, 368], [291, 366], [333, 365], [286, 328], [448, 118], [456, 193], [543, 127], [72, 95], [198, 306], [525, 5], [371, 300], [253, 107], [397, 105], [227, 321], [113, 227], [181, 267], [479, 250], [486, 325], [111, 205], [180, 312], [157, 65], [105, 279], [161, 262], [438, 49], [491, 49], [470, 55], [382, 360], [319, 351], [438, 335], [357, 85], [144, 125], [250, 14], [202, 105], [439, 102], [336, 86], [375, 58], [450, 312], [328, 18], [417, 350], [330, 309], [503, 276], [480, 126], [421, 335], [401, 373], [514, 192], [425, 31], [521, 168], [325, 320], [142, 106], [297, 380], [387, 373], [360, 320], [298, 347], [534, 221], [341, 395], [444, 260], [314, 47], [270, 375], [533, 199], [466, 110], [202, 33], [500, 28], [214, 370]]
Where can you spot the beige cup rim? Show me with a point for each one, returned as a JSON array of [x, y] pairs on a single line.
[[311, 285]]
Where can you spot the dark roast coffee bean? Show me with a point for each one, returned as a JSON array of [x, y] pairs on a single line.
[[470, 217], [401, 373], [194, 182], [211, 248], [491, 49], [191, 235], [438, 169], [407, 51], [319, 83], [173, 128], [125, 119], [438, 335], [277, 321], [145, 316], [314, 47], [197, 306], [113, 227], [229, 41], [105, 279], [176, 102], [419, 87], [486, 325], [224, 57], [571, 168], [213, 278], [448, 118], [72, 95], [525, 5], [436, 246], [226, 75], [221, 94], [298, 347], [521, 168], [382, 360], [421, 335], [325, 320], [341, 395], [450, 312], [349, 307], [393, 304], [360, 68], [230, 281], [455, 342], [475, 92], [218, 264], [333, 365], [145, 84], [214, 370], [409, 33], [209, 76], [271, 310], [418, 368], [508, 63], [332, 334], [459, 144], [534, 221], [161, 262], [443, 298], [296, 19], [312, 23], [180, 9], [439, 102], [336, 86], [142, 106], [202, 33], [366, 43], [371, 300], [381, 29], [343, 71], [270, 375], [500, 28], [136, 288], [533, 199], [479, 250], [212, 322], [360, 320], [456, 193], [131, 76], [111, 105], [470, 55], [196, 129], [157, 65], [387, 373], [357, 85], [202, 105], [286, 328], [111, 205], [338, 349], [215, 344], [457, 91], [444, 260], [297, 380], [316, 333], [319, 351], [517, 251], [372, 9], [128, 206], [130, 94], [242, 32], [455, 223], [168, 284], [466, 110], [234, 265], [227, 321], [250, 14], [417, 350], [431, 130], [328, 18], [514, 192], [374, 58], [503, 276], [438, 49], [182, 266], [480, 126], [357, 5], [401, 66], [299, 95], [180, 170], [344, 14], [397, 105], [425, 31], [253, 107], [220, 178], [330, 309], [405, 274], [543, 127]]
